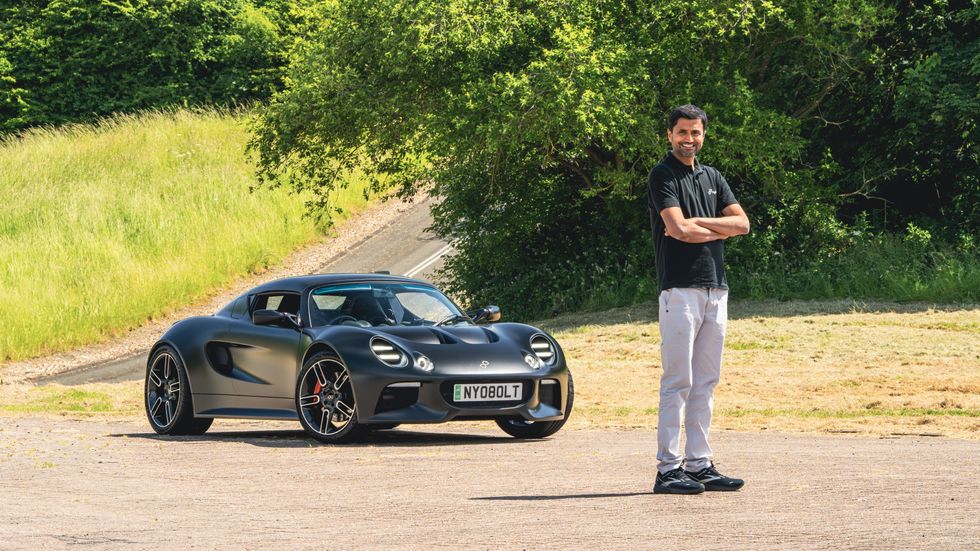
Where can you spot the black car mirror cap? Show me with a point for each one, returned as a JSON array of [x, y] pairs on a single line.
[[486, 314], [267, 317]]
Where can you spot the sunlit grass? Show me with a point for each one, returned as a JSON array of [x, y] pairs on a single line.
[[104, 226], [102, 399]]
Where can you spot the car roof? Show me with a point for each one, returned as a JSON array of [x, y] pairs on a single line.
[[300, 284]]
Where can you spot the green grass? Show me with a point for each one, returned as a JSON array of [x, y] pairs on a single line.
[[58, 399], [104, 226]]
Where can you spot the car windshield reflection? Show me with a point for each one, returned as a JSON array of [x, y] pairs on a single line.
[[383, 304]]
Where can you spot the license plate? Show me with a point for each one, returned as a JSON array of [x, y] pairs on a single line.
[[487, 392]]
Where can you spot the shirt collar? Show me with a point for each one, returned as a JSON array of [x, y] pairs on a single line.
[[676, 164]]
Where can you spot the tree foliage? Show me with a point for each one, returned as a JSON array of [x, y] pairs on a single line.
[[70, 60], [536, 123], [905, 137]]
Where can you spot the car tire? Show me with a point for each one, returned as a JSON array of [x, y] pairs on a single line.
[[167, 396], [521, 428], [325, 400]]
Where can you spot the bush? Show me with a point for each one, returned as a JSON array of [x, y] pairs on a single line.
[[77, 60]]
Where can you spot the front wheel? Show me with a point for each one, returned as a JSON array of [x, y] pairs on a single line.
[[167, 396], [325, 399], [521, 428]]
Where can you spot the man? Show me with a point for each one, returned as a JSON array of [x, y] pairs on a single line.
[[693, 212]]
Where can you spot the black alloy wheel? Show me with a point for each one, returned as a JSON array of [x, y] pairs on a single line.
[[169, 404], [522, 428], [325, 399]]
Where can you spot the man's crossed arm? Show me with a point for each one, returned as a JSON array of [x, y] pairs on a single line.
[[701, 230]]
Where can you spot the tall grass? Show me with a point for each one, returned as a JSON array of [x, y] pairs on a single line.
[[103, 226]]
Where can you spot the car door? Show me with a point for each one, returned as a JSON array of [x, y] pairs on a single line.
[[265, 357]]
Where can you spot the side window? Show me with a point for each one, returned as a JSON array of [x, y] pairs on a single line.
[[282, 302]]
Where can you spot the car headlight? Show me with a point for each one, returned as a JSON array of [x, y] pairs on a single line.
[[543, 349], [423, 362], [388, 353], [532, 361]]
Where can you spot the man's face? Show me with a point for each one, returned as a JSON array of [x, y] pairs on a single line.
[[686, 138]]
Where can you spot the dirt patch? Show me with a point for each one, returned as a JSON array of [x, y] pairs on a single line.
[[253, 485]]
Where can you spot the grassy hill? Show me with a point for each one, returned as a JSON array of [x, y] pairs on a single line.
[[103, 226]]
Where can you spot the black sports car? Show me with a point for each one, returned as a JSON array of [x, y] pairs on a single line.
[[350, 352]]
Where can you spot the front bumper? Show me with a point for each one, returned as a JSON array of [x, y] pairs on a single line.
[[542, 399]]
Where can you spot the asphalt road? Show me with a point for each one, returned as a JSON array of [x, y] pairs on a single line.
[[403, 247]]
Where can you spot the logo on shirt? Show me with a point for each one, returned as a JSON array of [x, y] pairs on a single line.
[[712, 192]]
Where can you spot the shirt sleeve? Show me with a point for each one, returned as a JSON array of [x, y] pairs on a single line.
[[725, 195], [662, 191]]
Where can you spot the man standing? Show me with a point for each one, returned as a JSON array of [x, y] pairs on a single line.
[[693, 212]]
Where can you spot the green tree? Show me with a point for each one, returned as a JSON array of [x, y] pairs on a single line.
[[80, 59], [12, 102], [905, 135], [537, 122]]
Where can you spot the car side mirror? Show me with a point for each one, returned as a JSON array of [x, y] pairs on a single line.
[[486, 314], [272, 317]]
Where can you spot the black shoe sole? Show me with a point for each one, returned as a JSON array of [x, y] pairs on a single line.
[[721, 488], [677, 491]]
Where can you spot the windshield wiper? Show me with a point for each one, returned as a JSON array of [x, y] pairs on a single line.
[[454, 319]]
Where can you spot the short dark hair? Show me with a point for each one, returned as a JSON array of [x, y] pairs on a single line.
[[688, 111]]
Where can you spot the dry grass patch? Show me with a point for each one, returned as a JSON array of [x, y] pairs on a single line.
[[834, 366], [96, 399]]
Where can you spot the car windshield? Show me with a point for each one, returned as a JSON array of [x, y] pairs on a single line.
[[382, 304]]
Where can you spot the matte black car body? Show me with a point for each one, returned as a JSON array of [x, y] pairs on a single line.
[[234, 367]]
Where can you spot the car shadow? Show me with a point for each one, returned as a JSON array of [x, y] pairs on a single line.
[[557, 497], [299, 439]]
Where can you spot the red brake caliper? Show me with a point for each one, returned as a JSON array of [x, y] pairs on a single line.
[[317, 387]]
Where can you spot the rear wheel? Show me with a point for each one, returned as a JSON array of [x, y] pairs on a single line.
[[325, 399], [522, 428], [168, 400]]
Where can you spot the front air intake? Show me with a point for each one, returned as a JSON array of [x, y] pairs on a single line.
[[543, 349], [388, 353]]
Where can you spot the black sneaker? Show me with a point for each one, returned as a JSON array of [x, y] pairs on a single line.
[[676, 482], [714, 481]]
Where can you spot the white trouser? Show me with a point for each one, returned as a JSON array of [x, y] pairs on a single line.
[[692, 336]]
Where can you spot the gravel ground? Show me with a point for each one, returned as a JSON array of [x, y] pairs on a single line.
[[108, 484]]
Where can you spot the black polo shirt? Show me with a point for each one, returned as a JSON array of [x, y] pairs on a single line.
[[701, 192]]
